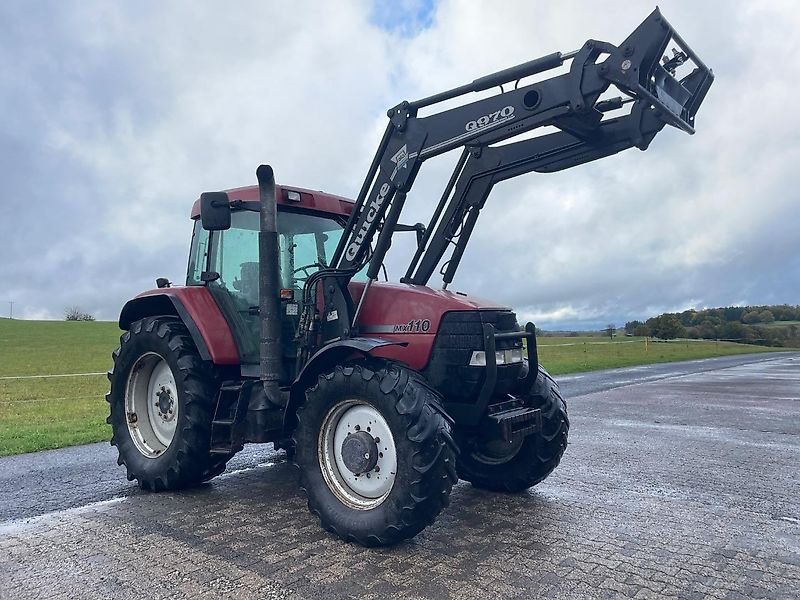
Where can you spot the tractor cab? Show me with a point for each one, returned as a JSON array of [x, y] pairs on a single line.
[[226, 261]]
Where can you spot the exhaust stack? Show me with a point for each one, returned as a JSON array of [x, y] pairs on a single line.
[[271, 364]]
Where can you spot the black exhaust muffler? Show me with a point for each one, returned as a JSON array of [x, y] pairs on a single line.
[[261, 411], [271, 358]]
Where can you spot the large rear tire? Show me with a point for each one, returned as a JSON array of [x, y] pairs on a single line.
[[375, 453], [499, 466], [161, 402]]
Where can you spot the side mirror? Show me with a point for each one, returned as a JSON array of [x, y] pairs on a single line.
[[419, 228], [215, 211]]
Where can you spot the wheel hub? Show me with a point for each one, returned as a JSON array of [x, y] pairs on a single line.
[[164, 404], [497, 452], [360, 452], [151, 404], [357, 454]]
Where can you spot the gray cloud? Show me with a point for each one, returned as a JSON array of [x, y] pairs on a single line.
[[114, 117]]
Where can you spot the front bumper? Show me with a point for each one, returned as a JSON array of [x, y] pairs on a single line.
[[505, 416]]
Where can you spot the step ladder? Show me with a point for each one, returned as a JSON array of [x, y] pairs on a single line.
[[229, 417]]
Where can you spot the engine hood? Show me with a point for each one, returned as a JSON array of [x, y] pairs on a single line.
[[405, 308]]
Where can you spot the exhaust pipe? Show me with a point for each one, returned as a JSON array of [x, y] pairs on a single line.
[[271, 356]]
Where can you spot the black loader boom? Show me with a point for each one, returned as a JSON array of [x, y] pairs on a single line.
[[480, 168], [571, 102]]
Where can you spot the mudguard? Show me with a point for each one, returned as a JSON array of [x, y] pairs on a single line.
[[324, 359], [198, 311]]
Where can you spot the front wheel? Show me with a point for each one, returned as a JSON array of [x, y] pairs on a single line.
[[498, 465], [376, 456]]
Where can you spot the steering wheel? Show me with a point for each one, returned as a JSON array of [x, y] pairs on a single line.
[[305, 269]]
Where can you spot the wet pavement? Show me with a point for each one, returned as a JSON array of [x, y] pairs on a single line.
[[43, 482], [675, 485]]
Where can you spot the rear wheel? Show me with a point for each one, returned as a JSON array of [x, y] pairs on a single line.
[[375, 453], [498, 465], [161, 402]]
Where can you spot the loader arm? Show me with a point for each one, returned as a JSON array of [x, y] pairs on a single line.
[[570, 101], [484, 167]]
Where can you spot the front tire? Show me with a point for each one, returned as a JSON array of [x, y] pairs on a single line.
[[502, 467], [353, 412], [161, 403]]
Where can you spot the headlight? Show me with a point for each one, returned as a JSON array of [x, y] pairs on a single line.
[[501, 357], [478, 359]]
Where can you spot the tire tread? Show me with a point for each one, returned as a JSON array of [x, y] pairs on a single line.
[[192, 463], [537, 459], [425, 426]]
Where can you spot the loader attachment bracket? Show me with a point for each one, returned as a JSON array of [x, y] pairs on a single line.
[[644, 70]]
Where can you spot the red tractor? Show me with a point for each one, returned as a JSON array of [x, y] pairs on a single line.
[[384, 394]]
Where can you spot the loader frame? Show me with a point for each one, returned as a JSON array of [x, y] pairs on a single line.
[[572, 103]]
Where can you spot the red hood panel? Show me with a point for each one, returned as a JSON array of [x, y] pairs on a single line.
[[411, 314], [400, 303]]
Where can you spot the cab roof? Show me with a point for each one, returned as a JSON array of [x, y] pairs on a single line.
[[314, 200]]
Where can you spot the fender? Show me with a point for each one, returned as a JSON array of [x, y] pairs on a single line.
[[325, 358], [198, 311]]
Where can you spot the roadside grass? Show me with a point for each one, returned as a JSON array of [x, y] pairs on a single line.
[[51, 347], [41, 414], [589, 354], [47, 413]]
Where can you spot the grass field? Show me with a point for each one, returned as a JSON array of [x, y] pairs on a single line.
[[561, 355], [42, 413]]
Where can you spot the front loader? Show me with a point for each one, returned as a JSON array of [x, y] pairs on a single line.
[[383, 394]]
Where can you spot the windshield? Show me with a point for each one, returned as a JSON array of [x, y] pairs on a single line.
[[306, 242]]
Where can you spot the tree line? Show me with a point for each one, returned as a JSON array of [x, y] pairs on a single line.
[[747, 324]]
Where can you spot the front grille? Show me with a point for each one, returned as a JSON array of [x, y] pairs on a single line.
[[460, 334]]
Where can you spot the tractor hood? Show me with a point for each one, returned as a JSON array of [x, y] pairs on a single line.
[[398, 308]]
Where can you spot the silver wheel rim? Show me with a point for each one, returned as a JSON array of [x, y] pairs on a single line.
[[151, 405], [497, 452], [367, 490]]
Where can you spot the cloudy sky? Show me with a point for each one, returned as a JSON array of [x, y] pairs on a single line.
[[114, 116]]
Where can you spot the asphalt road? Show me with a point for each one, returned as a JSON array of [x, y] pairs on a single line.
[[680, 479]]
